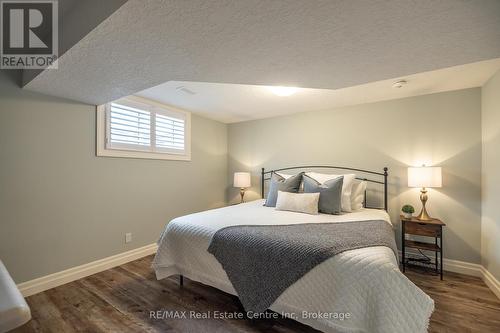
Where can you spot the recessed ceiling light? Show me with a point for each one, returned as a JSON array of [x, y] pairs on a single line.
[[283, 91], [399, 84], [185, 90]]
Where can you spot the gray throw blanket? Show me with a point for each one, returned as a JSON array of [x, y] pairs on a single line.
[[262, 261]]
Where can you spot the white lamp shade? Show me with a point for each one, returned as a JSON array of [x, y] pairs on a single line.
[[241, 179], [424, 177]]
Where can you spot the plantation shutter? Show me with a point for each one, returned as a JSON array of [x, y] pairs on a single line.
[[129, 127], [170, 133], [143, 127]]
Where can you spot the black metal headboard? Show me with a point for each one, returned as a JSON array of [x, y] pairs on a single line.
[[384, 174]]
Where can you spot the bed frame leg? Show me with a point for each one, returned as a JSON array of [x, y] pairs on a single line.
[[181, 280]]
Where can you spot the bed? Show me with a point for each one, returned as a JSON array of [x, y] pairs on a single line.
[[360, 290]]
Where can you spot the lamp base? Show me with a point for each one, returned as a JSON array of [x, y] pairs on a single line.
[[242, 194], [423, 216]]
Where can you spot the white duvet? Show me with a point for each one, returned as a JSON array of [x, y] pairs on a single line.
[[364, 284]]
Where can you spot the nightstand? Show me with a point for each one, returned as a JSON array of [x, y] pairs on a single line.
[[432, 228]]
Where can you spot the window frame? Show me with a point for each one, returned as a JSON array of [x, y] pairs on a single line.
[[129, 151]]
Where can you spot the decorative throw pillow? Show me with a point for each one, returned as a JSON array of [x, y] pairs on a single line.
[[357, 206], [358, 194], [286, 176], [279, 183], [346, 186], [330, 198], [298, 202]]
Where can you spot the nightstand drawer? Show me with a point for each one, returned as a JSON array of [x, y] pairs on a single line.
[[422, 229]]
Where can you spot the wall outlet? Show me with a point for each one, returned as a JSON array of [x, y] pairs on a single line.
[[128, 237]]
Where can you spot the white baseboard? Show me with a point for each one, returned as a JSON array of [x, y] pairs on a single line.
[[462, 267], [474, 270], [43, 283], [491, 282], [467, 268], [38, 285]]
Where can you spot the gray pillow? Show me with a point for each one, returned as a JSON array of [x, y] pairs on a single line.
[[279, 183], [330, 194]]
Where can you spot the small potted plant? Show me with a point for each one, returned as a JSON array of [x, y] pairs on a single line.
[[408, 210]]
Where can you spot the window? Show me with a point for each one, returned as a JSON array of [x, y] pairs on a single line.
[[139, 128]]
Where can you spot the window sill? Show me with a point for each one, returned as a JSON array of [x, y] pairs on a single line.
[[102, 152]]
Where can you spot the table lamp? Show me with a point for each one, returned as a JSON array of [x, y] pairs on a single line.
[[241, 180], [424, 177]]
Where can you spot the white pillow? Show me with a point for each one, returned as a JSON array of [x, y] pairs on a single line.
[[346, 186], [358, 194], [298, 202]]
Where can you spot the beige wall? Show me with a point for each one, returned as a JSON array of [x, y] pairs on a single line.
[[61, 206], [440, 129], [490, 228]]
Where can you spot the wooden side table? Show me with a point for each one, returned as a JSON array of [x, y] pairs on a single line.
[[432, 228]]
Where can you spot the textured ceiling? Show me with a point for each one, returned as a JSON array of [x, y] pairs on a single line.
[[76, 19], [230, 103], [314, 44]]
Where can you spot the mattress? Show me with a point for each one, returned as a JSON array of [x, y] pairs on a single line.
[[360, 290]]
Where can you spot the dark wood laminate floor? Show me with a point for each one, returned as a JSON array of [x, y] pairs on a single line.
[[120, 300]]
